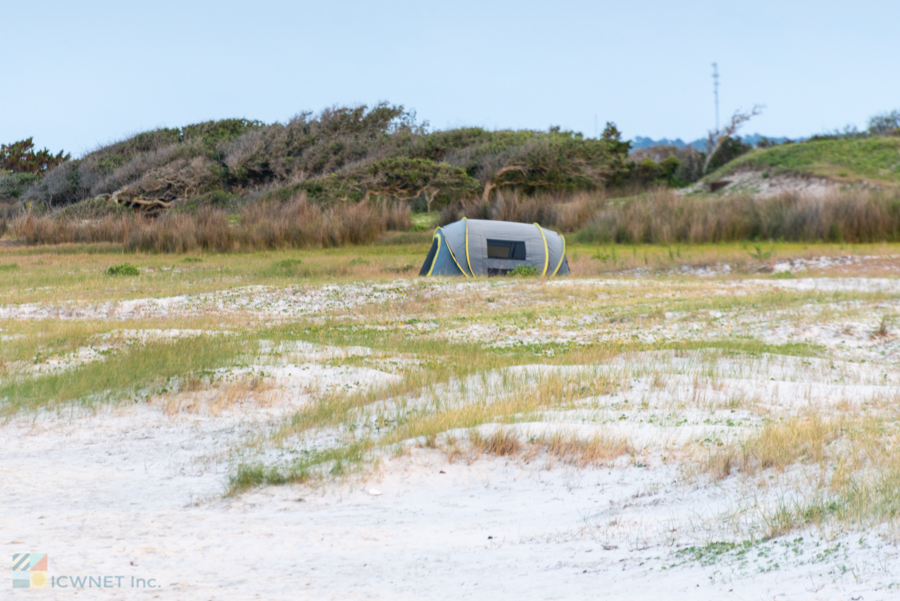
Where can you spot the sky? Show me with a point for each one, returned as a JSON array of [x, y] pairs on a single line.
[[87, 73]]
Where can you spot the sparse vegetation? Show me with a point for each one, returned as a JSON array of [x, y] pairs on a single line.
[[732, 356]]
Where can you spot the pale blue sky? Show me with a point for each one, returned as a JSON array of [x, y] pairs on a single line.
[[79, 74]]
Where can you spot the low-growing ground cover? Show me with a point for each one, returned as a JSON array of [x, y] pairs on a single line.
[[686, 420], [875, 159]]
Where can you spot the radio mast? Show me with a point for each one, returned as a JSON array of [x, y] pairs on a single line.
[[716, 91]]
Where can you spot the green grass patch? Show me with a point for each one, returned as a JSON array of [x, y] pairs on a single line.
[[137, 372], [524, 271], [875, 159], [339, 461], [425, 221], [126, 269]]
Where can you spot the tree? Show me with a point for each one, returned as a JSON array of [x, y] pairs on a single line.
[[716, 138], [885, 124], [618, 150], [563, 160], [20, 157], [406, 179]]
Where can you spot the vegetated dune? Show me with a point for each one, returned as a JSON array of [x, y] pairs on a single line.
[[340, 155], [813, 167]]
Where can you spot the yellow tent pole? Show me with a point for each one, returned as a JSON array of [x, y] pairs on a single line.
[[561, 258], [468, 262], [546, 250], [437, 252]]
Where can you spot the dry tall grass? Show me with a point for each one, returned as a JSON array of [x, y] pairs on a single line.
[[296, 223], [656, 217], [567, 448], [778, 446], [855, 475], [663, 217]]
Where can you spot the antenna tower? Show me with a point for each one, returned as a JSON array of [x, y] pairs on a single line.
[[715, 67]]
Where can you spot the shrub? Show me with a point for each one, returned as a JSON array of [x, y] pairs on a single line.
[[13, 185], [126, 269], [20, 157], [524, 271], [342, 154], [885, 124], [212, 133], [674, 166], [730, 149]]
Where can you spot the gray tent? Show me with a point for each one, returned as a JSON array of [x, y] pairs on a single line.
[[474, 247]]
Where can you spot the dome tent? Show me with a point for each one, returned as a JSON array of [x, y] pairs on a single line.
[[474, 247]]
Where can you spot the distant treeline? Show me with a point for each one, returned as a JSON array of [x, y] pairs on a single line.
[[344, 155], [339, 155]]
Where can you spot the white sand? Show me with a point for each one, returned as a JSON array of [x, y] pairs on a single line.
[[133, 491], [129, 494]]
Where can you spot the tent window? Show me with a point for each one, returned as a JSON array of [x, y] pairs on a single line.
[[513, 250]]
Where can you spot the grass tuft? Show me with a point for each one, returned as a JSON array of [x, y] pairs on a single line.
[[125, 269]]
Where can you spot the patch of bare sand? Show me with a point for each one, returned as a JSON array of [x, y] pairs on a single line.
[[760, 183]]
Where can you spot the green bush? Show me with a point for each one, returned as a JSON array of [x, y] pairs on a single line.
[[13, 185], [288, 268], [524, 271], [730, 149], [211, 133], [125, 269]]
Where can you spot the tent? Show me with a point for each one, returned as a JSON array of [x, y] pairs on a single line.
[[474, 247]]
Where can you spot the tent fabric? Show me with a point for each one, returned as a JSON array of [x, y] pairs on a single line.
[[476, 247]]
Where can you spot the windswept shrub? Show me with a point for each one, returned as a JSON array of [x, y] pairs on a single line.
[[13, 185], [342, 154]]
